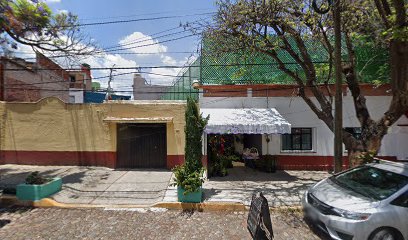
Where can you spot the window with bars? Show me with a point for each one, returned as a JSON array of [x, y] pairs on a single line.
[[298, 139]]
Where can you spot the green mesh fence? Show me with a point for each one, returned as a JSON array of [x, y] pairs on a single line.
[[242, 67], [182, 87], [258, 68]]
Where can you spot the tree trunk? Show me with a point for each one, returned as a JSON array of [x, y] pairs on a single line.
[[363, 150]]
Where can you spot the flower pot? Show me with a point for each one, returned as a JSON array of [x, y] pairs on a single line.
[[38, 192], [192, 197]]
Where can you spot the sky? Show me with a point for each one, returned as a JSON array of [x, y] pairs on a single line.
[[143, 32]]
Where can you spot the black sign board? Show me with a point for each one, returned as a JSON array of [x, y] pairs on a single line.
[[259, 220]]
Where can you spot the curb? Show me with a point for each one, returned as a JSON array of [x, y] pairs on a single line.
[[200, 207], [51, 203], [203, 207]]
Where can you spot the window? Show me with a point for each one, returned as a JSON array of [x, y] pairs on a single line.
[[355, 131], [72, 79], [371, 182], [402, 200], [299, 139]]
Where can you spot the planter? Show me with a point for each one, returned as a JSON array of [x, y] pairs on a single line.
[[38, 192], [193, 197]]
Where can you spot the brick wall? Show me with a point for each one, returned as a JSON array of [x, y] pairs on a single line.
[[22, 84]]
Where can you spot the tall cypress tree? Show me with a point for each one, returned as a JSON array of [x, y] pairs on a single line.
[[195, 124]]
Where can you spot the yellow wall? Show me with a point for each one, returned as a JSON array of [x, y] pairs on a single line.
[[51, 125]]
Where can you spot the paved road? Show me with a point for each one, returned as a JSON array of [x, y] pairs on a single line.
[[140, 224]]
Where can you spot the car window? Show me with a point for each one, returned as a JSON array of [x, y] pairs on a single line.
[[402, 200], [371, 182]]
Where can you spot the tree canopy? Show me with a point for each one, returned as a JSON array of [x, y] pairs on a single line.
[[32, 23], [273, 27]]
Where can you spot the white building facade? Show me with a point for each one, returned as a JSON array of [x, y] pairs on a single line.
[[310, 145]]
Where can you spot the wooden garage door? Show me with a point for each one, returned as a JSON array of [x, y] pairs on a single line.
[[141, 146]]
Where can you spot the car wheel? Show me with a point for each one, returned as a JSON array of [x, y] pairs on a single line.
[[384, 234]]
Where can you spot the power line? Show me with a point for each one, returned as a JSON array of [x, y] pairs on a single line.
[[132, 20], [145, 40], [144, 14], [151, 35], [139, 46], [175, 66], [266, 88], [150, 44]]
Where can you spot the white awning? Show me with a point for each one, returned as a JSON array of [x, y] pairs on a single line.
[[245, 121]]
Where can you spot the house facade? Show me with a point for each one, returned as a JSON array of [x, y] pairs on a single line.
[[145, 91], [80, 82], [114, 134], [23, 81], [309, 145]]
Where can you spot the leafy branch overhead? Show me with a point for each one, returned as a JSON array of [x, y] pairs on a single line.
[[32, 23]]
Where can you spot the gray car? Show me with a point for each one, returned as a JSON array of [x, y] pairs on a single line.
[[367, 202]]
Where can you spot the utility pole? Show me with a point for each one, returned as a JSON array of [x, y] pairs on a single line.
[[338, 106], [338, 103], [109, 90]]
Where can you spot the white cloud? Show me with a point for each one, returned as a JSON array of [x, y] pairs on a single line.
[[168, 60], [158, 76], [62, 11], [121, 79], [52, 1], [140, 43], [169, 73]]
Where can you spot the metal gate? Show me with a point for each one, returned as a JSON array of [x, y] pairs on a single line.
[[141, 146]]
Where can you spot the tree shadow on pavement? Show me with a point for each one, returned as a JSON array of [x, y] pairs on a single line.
[[4, 222], [73, 178], [241, 173], [208, 193]]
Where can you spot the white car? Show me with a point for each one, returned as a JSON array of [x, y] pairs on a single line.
[[367, 202]]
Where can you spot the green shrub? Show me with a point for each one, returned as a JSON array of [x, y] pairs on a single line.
[[219, 165], [189, 181], [36, 179], [195, 124]]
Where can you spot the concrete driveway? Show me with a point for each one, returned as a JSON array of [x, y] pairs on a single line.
[[96, 185]]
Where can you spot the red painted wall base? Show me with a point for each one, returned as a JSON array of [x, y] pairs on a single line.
[[108, 159], [318, 163], [60, 158], [312, 163], [103, 159], [174, 160]]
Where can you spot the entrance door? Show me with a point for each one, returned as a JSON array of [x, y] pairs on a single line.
[[141, 145]]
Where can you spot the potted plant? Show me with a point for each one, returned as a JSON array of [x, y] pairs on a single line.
[[37, 187], [189, 184]]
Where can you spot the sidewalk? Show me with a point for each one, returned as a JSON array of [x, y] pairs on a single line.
[[104, 186], [96, 185], [282, 188]]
